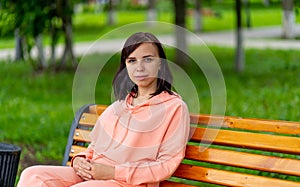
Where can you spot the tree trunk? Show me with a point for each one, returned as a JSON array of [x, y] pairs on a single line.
[[288, 19], [198, 16], [239, 58], [180, 35], [248, 13], [64, 10], [111, 19], [151, 13], [68, 45], [53, 54], [266, 2], [26, 49], [54, 38], [19, 55], [40, 51]]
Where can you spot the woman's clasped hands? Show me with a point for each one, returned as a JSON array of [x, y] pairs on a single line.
[[89, 170]]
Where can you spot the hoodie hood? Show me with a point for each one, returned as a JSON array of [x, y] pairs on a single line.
[[163, 97]]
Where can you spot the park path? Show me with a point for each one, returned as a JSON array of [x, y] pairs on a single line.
[[261, 38]]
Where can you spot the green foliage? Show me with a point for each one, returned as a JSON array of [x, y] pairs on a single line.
[[6, 28], [30, 16], [90, 25]]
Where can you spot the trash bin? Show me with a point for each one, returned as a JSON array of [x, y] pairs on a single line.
[[9, 161]]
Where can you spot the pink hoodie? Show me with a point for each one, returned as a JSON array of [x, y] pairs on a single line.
[[145, 143]]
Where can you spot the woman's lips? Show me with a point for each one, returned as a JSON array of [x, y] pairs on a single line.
[[140, 77]]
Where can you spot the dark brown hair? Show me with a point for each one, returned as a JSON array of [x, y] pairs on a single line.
[[123, 85]]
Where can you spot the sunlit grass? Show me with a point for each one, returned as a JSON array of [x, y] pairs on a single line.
[[37, 107], [37, 111]]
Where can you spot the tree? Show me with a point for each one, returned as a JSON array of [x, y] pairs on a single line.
[[248, 13], [111, 19], [288, 19], [33, 19], [151, 13], [239, 55], [19, 55], [65, 12], [30, 21], [180, 35], [198, 16]]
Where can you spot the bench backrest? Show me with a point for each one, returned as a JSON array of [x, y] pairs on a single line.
[[225, 151]]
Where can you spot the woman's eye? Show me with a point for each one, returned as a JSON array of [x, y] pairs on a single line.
[[148, 59], [130, 60]]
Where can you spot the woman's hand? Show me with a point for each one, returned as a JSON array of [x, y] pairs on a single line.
[[89, 171], [82, 168], [102, 171]]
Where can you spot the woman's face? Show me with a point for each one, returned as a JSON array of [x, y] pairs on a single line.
[[143, 65]]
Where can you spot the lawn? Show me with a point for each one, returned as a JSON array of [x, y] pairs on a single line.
[[37, 107]]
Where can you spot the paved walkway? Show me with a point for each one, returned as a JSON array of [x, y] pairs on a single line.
[[262, 38]]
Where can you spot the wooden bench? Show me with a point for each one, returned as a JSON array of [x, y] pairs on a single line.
[[244, 152]]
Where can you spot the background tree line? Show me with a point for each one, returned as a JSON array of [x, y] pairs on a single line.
[[30, 20]]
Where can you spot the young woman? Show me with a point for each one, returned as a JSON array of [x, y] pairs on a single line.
[[140, 139]]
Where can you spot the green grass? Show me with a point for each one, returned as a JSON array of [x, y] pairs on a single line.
[[37, 111], [37, 107], [269, 88]]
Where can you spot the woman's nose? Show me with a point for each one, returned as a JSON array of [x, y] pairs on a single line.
[[140, 65]]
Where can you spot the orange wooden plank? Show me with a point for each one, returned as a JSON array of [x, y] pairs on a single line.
[[99, 109], [93, 109], [284, 127], [173, 184], [88, 119], [205, 119], [229, 178], [265, 142], [82, 135], [245, 160], [75, 149]]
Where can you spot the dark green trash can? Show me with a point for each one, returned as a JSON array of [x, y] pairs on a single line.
[[9, 161]]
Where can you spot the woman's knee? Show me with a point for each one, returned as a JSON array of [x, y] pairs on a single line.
[[29, 176], [32, 170]]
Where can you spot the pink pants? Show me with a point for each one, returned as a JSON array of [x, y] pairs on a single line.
[[58, 176]]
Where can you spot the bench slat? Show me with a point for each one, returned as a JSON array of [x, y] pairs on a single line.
[[244, 160], [284, 127], [88, 119], [277, 126], [81, 135], [228, 178], [76, 149], [257, 141], [173, 184], [97, 109]]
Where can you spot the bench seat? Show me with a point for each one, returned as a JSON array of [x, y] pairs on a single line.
[[225, 151]]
